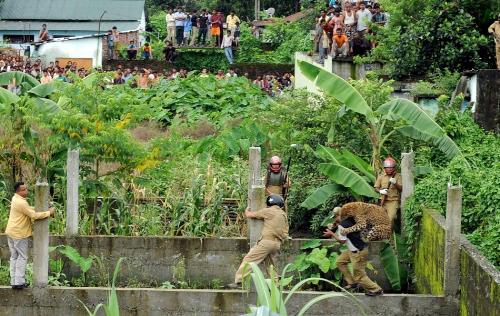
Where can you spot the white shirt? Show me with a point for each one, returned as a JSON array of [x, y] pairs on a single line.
[[350, 246], [227, 41], [179, 18], [364, 17], [170, 20]]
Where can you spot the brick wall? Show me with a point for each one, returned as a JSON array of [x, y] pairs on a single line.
[[124, 40]]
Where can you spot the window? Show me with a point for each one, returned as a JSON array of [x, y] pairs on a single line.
[[18, 39]]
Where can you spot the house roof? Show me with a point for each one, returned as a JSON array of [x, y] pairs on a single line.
[[30, 25], [71, 10]]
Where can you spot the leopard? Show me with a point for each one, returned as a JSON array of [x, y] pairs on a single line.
[[372, 220]]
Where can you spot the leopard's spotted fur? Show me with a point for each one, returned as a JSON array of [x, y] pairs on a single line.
[[371, 221]]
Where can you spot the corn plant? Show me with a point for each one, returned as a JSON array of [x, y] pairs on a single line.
[[270, 293], [111, 308], [72, 254]]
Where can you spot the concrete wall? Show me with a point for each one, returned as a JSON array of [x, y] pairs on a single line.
[[480, 283], [345, 69], [133, 302], [429, 255], [479, 279], [88, 47], [152, 260]]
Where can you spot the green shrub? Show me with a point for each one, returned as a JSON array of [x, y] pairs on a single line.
[[423, 36], [480, 185]]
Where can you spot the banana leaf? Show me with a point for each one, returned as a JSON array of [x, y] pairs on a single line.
[[412, 114], [395, 271], [348, 178], [7, 97], [336, 87], [443, 142], [359, 164], [46, 89], [21, 78], [44, 106], [321, 195], [330, 155]]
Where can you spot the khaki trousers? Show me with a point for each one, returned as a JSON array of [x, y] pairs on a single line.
[[194, 35], [171, 34], [264, 250], [359, 261], [18, 260], [391, 207], [497, 46]]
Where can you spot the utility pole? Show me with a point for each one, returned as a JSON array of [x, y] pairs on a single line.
[[257, 10], [98, 37]]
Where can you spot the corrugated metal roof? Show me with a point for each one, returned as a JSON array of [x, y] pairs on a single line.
[[83, 10], [67, 26]]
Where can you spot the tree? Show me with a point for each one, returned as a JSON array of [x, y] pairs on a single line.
[[423, 36], [407, 118]]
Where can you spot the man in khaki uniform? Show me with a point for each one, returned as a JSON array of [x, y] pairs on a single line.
[[277, 180], [495, 30], [356, 253], [274, 231], [18, 231], [389, 184]]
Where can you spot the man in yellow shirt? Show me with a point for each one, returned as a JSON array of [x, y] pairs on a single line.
[[231, 21], [18, 231]]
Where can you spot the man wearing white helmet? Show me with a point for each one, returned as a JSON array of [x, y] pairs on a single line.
[[277, 180], [389, 185]]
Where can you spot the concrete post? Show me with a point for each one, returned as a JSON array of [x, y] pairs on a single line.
[[407, 177], [72, 175], [452, 242], [257, 202], [256, 193], [254, 176], [41, 237]]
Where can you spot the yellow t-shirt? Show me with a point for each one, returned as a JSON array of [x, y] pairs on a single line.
[[231, 21], [21, 215]]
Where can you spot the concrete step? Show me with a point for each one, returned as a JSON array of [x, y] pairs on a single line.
[[155, 302]]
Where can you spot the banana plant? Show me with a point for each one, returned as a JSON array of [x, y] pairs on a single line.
[[271, 299], [412, 121], [18, 111]]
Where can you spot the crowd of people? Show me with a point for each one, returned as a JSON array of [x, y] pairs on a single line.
[[272, 84], [190, 29], [342, 29]]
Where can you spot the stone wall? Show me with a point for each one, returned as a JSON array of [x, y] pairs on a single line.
[[429, 255], [152, 260], [480, 283], [157, 302], [479, 279]]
